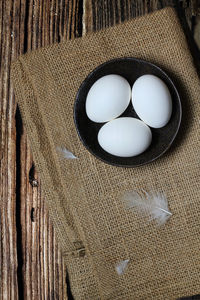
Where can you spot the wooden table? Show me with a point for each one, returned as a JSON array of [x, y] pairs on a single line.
[[30, 258]]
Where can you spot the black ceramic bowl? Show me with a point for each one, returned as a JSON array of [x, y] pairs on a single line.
[[162, 138]]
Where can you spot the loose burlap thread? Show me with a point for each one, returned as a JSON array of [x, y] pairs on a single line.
[[84, 195]]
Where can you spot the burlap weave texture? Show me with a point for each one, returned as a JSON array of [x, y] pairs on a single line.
[[84, 195]]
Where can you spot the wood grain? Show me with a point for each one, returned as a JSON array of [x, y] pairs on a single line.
[[9, 49], [31, 261], [101, 14], [46, 22], [30, 258]]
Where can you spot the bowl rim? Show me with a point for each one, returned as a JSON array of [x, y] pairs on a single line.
[[115, 60]]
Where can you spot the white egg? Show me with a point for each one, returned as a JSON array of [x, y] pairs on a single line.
[[125, 137], [152, 101], [108, 98]]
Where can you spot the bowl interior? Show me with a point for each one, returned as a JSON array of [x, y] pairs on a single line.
[[131, 69]]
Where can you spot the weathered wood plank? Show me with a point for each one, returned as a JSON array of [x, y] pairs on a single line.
[[10, 48], [43, 272], [31, 252], [101, 14]]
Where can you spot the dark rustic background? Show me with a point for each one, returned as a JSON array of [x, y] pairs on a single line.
[[31, 264]]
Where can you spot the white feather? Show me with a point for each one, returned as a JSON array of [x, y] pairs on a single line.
[[153, 204], [121, 266], [66, 153]]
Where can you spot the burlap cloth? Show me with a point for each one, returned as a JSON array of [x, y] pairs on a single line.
[[84, 195]]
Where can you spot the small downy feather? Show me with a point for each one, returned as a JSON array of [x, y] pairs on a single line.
[[66, 153], [153, 204], [121, 266]]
